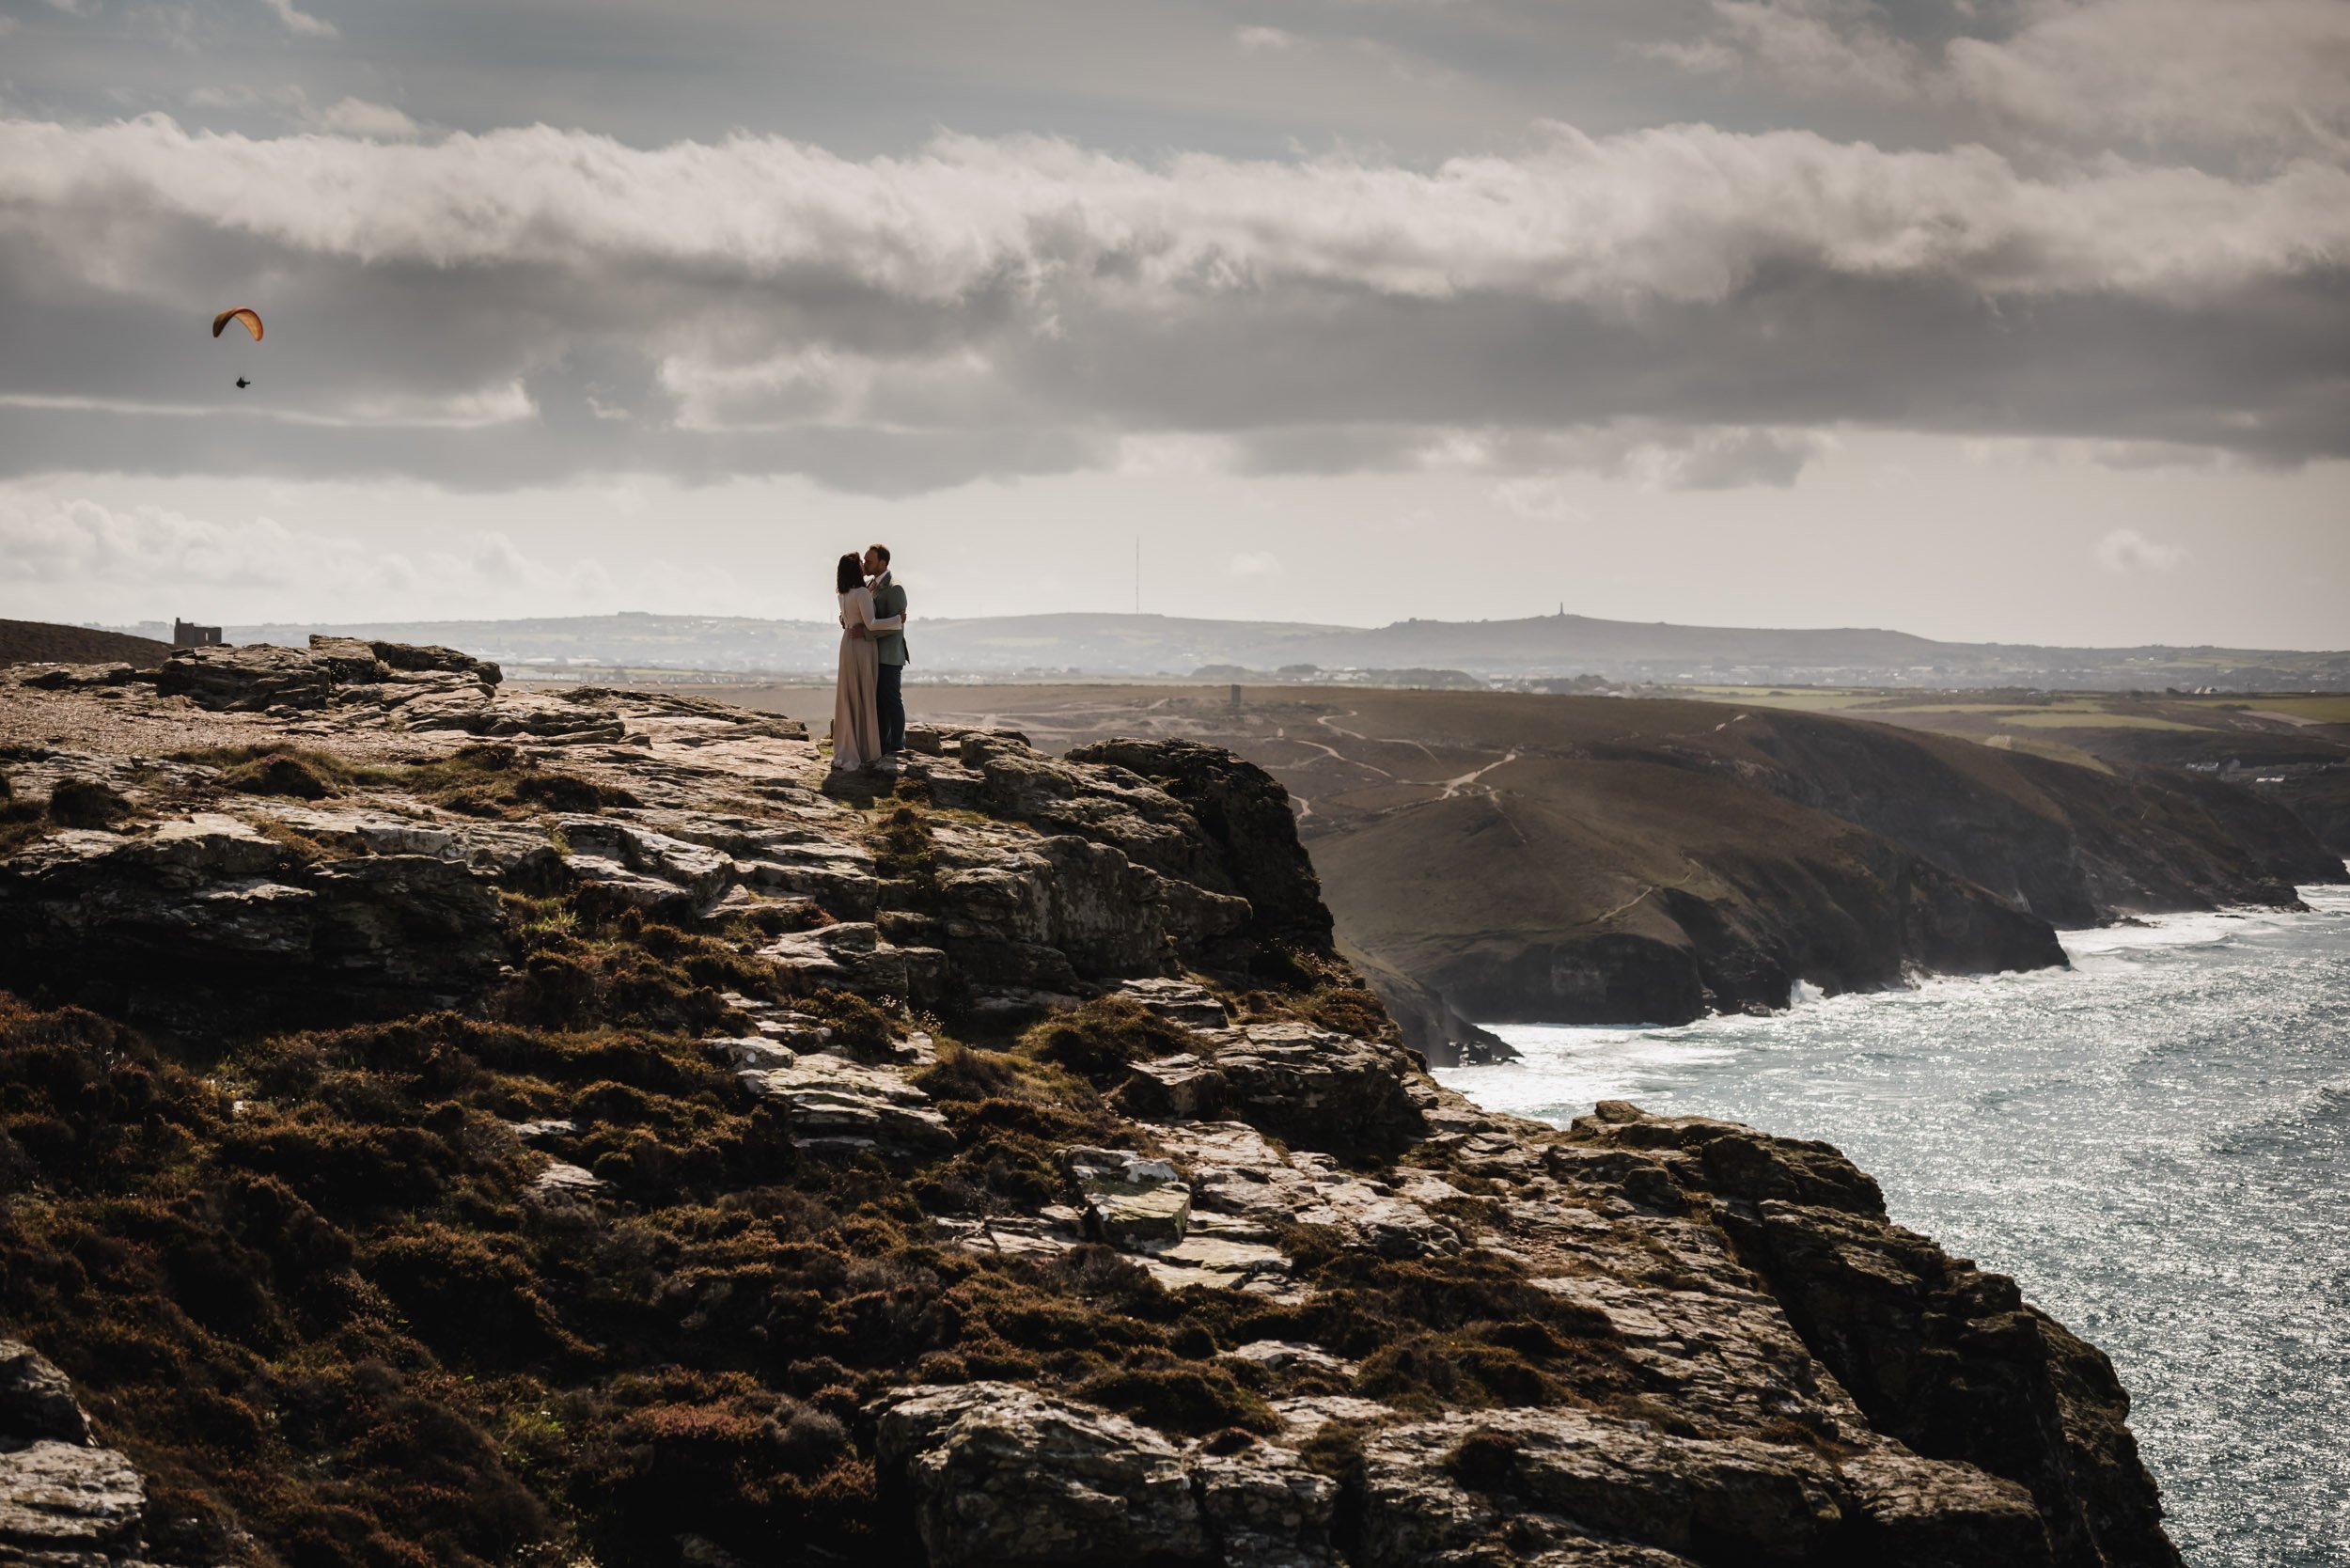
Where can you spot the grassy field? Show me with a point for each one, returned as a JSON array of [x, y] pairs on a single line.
[[2326, 708], [2091, 720], [2056, 751], [1801, 699]]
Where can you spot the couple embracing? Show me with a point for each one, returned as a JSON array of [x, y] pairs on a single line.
[[868, 709]]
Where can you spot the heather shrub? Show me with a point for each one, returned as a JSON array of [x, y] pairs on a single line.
[[86, 803], [1099, 1040]]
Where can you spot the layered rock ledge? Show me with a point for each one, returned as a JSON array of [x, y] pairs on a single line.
[[445, 1124]]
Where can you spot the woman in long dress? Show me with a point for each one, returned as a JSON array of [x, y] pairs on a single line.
[[855, 709]]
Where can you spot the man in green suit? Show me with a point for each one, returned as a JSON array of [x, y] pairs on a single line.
[[889, 602]]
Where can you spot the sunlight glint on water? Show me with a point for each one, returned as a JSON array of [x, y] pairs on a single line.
[[2156, 1145]]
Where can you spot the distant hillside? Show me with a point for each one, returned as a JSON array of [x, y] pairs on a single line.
[[1540, 648], [35, 642], [1561, 640]]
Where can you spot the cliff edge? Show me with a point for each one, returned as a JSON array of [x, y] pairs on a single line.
[[444, 1124]]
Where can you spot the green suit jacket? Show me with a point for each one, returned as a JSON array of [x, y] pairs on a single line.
[[889, 602]]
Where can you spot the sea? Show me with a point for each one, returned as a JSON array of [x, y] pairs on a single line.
[[2155, 1143]]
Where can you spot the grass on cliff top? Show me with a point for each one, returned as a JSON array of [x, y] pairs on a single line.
[[487, 780], [74, 803]]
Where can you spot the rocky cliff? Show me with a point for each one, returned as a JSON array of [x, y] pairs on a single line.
[[444, 1126], [1603, 861]]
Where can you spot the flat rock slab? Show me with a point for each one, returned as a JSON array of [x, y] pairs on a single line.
[[1183, 1002], [1212, 1263], [1000, 1474], [1004, 1477], [833, 1103], [1281, 1354], [1308, 1414], [69, 1497], [1573, 1474], [1127, 1199], [850, 956], [561, 1180], [1236, 1170]]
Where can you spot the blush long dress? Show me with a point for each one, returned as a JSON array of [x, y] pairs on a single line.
[[855, 708]]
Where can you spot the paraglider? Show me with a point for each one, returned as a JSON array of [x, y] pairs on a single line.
[[244, 317]]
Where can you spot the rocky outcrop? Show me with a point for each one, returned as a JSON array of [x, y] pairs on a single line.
[[2008, 1451], [995, 1473], [64, 1501], [986, 1162], [1429, 1023], [1868, 918], [1245, 838], [206, 916], [1946, 1358]]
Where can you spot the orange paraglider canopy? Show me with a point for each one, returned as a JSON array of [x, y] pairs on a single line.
[[252, 321]]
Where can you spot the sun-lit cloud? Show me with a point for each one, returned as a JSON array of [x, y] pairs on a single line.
[[87, 559], [2126, 550], [299, 22], [2270, 74], [1538, 499], [356, 116]]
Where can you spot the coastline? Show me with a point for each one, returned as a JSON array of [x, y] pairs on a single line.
[[859, 1158], [2111, 1172]]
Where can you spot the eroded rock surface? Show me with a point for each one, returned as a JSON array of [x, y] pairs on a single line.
[[984, 1162], [66, 1501]]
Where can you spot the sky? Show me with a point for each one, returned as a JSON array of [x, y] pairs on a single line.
[[1989, 320]]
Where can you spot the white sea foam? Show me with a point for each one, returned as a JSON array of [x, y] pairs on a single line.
[[2156, 1142], [2200, 929]]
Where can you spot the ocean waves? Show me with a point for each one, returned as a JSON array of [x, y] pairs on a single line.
[[2157, 1144]]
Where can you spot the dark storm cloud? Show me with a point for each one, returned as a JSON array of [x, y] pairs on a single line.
[[535, 305]]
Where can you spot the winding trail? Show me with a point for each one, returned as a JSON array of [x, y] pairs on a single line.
[[1452, 787], [1331, 722]]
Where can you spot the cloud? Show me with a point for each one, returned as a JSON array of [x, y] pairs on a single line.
[[1656, 454], [301, 23], [2126, 550], [73, 557], [1253, 563], [214, 96], [2270, 74], [1838, 46], [1538, 500], [1686, 305], [356, 117], [1262, 40], [2273, 73], [1727, 459]]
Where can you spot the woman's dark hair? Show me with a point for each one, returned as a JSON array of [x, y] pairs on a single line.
[[851, 574]]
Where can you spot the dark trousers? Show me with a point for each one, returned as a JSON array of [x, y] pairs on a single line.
[[891, 703]]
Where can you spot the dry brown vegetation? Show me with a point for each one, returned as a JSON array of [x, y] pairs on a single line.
[[305, 1284]]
